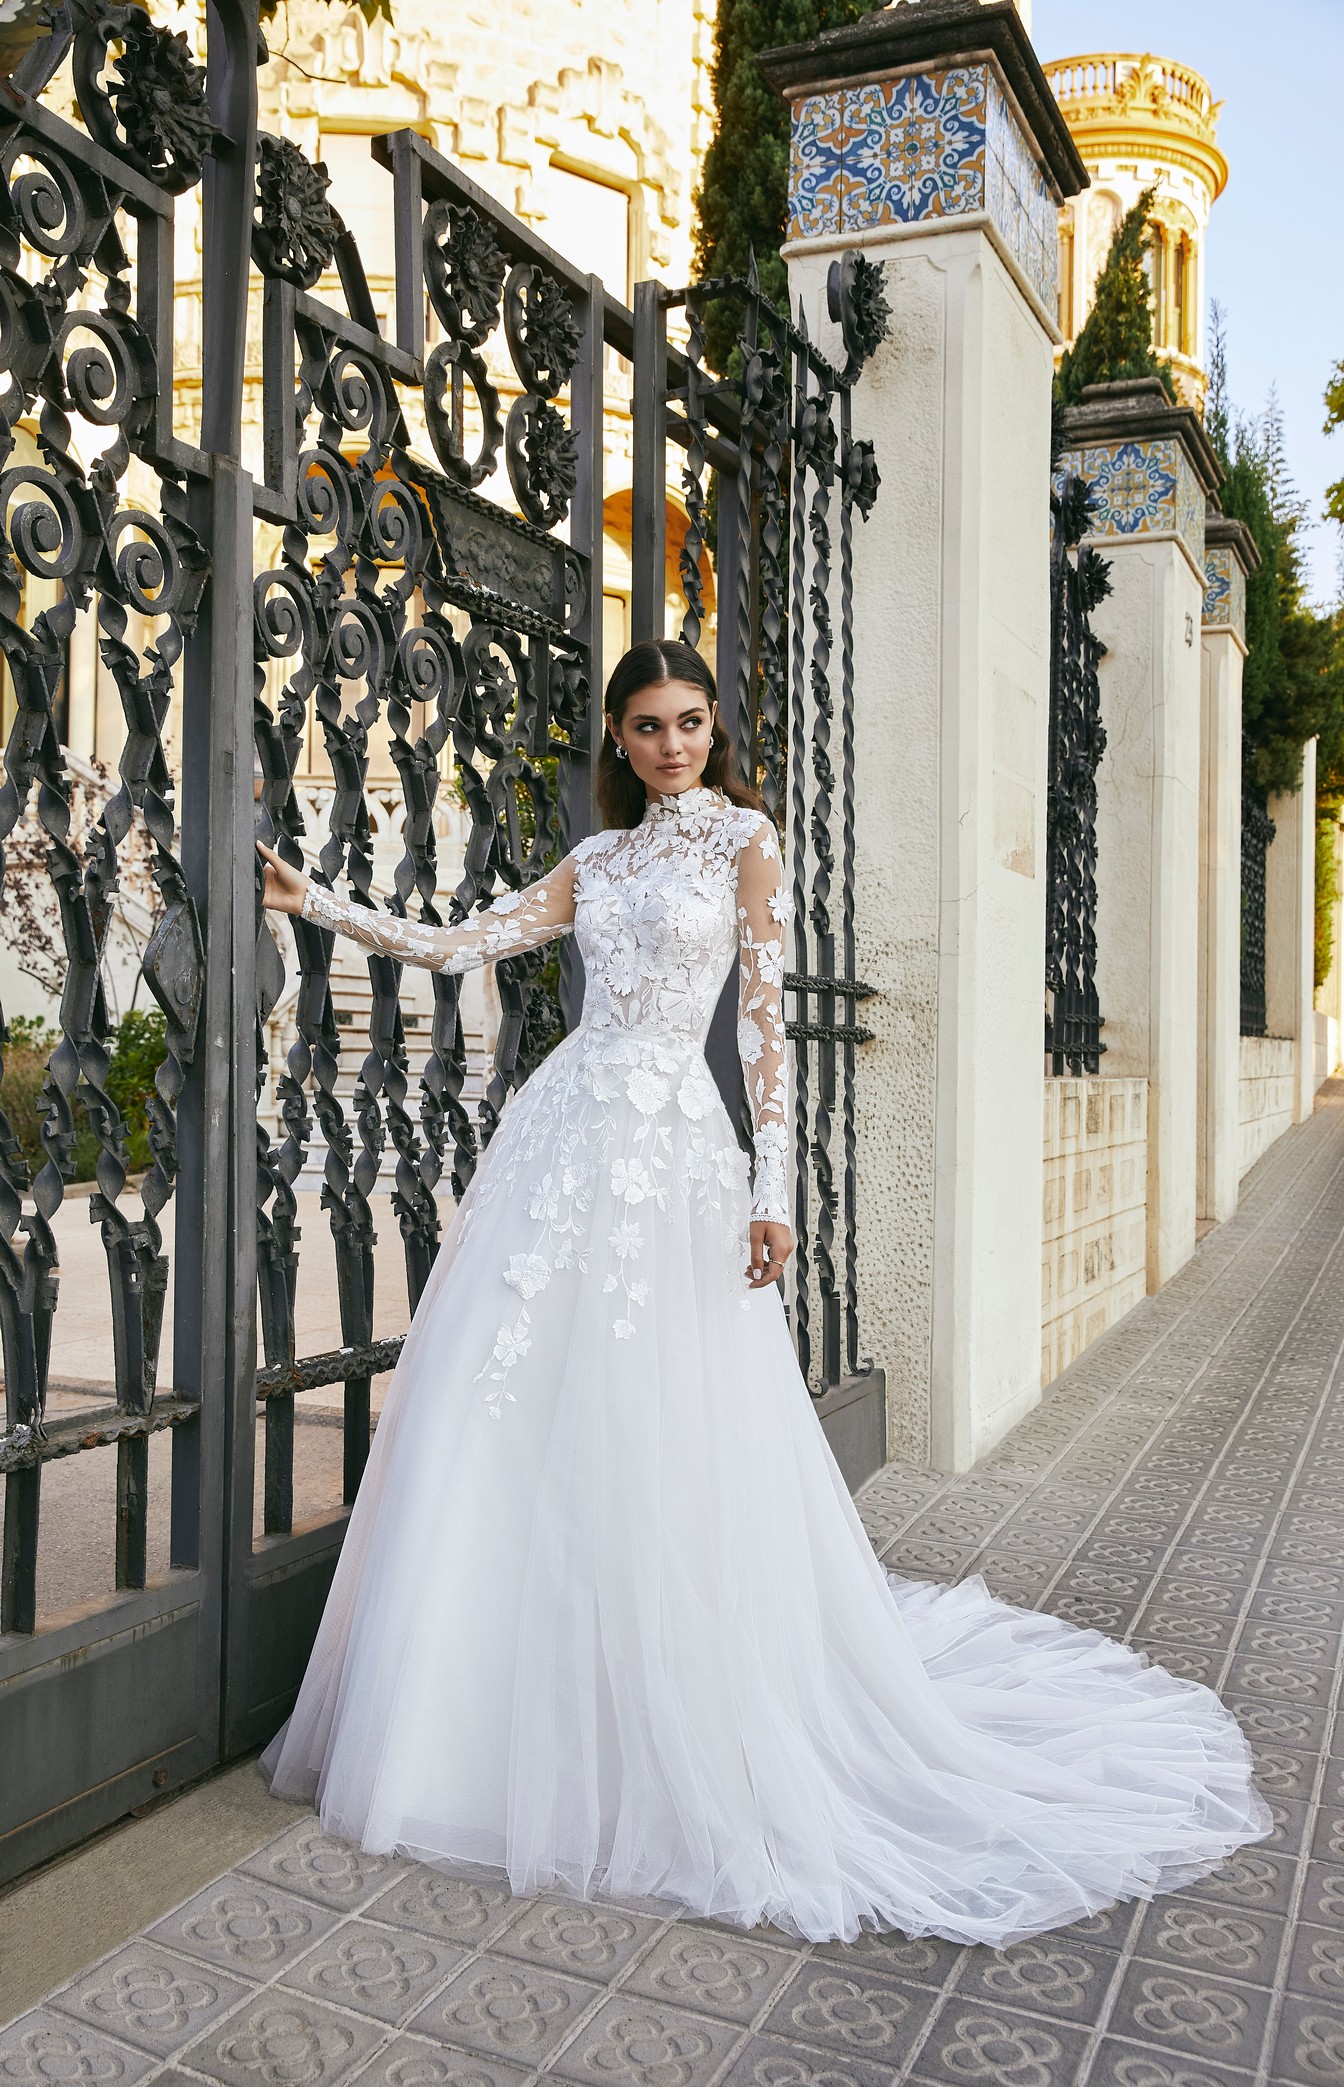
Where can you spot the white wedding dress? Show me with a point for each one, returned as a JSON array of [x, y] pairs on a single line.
[[605, 1620]]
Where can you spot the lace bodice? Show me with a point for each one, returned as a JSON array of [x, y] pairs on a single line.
[[657, 910]]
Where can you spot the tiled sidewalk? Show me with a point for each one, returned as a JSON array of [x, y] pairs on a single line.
[[1182, 1487]]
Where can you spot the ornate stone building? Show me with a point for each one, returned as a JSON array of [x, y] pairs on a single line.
[[1138, 122]]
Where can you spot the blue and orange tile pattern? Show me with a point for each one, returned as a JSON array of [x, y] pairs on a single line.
[[1142, 488], [1224, 590], [929, 145]]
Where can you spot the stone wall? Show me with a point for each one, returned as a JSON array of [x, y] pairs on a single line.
[[1095, 1212], [1268, 1066]]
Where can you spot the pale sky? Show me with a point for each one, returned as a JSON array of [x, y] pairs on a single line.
[[1273, 253]]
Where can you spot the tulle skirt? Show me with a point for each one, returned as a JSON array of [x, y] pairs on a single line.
[[606, 1621]]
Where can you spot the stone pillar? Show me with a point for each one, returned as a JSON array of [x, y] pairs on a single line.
[[1290, 928], [1150, 467], [927, 137], [1230, 556]]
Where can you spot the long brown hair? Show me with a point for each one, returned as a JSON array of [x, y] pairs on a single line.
[[652, 663]]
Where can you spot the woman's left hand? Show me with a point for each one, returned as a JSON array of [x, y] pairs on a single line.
[[771, 1246]]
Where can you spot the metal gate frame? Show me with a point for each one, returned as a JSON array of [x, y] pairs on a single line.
[[146, 1690]]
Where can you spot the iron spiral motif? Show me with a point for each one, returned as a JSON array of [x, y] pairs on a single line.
[[410, 611], [1257, 833], [74, 540], [776, 434], [1079, 579]]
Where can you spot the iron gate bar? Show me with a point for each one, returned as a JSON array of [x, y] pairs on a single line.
[[1257, 835], [1079, 580]]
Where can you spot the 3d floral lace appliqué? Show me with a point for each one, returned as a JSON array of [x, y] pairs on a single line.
[[624, 1122]]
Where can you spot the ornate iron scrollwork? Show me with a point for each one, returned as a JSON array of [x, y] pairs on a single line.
[[151, 108], [407, 604], [1257, 834], [68, 523], [1079, 579], [778, 435]]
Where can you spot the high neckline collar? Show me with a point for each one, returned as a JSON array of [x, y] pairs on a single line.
[[682, 804]]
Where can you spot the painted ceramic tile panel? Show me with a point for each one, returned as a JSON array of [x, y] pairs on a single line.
[[933, 145], [914, 148], [815, 174], [1225, 590], [1144, 488], [1019, 200], [1191, 508]]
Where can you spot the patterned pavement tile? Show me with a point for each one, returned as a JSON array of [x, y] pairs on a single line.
[[454, 1909], [1119, 2064], [712, 1974], [1220, 2020], [847, 2007], [383, 1972], [318, 1867], [1223, 1939], [281, 2039], [1317, 1963], [150, 1997], [409, 2062], [1310, 2043], [247, 1927], [634, 2042], [1323, 1894], [1051, 1975], [927, 1961], [505, 2009], [766, 2062], [42, 2049], [994, 2047], [594, 1942]]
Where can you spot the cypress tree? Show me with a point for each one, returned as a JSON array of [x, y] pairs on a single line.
[[742, 201], [1116, 342]]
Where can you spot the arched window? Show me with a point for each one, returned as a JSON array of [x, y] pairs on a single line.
[[1157, 266]]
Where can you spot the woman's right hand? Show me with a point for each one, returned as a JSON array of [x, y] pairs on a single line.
[[285, 887]]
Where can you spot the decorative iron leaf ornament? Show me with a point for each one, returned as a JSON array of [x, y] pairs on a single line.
[[542, 330], [815, 437], [295, 229], [765, 384], [861, 477], [464, 271], [857, 302], [543, 460], [152, 111]]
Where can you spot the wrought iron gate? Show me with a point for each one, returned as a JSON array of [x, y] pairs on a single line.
[[1079, 579], [1257, 834], [333, 588]]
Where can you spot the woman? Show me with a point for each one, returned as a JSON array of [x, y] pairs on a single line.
[[605, 1619]]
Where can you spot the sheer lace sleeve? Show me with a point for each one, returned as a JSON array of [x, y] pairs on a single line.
[[516, 920], [762, 910]]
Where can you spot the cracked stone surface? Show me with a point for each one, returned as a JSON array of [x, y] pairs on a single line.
[[1179, 1487]]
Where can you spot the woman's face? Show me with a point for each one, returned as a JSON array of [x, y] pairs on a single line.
[[665, 731]]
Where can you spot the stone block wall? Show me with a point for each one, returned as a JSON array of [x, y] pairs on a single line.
[[1268, 1066], [1095, 1214]]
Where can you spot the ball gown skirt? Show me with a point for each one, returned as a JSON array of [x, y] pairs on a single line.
[[605, 1620]]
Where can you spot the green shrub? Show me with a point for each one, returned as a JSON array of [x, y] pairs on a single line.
[[138, 1050], [1327, 896]]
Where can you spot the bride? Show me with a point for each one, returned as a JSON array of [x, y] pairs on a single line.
[[605, 1619]]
